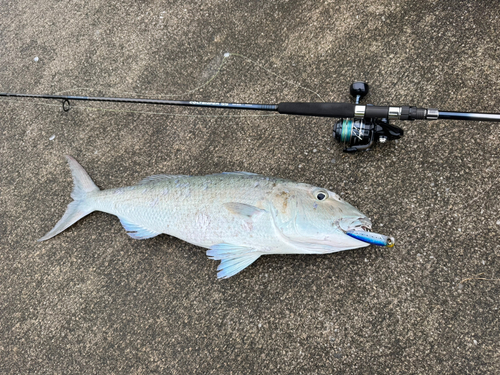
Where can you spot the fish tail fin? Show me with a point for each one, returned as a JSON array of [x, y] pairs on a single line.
[[83, 185]]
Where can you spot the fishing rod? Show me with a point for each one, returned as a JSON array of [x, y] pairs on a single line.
[[359, 126]]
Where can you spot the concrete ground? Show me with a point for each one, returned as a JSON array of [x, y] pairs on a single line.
[[93, 300]]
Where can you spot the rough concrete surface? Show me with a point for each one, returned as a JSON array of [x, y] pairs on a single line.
[[93, 300]]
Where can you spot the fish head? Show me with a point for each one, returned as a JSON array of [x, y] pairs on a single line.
[[316, 219]]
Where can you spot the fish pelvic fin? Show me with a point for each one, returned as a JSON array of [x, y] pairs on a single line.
[[233, 258], [83, 185]]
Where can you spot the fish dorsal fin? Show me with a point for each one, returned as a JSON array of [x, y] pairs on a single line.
[[243, 209], [136, 231], [158, 177], [233, 258], [237, 174]]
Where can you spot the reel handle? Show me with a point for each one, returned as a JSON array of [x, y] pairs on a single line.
[[359, 90]]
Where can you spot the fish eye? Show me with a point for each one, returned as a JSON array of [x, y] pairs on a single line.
[[321, 195]]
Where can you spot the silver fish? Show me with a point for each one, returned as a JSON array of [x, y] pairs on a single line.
[[238, 216]]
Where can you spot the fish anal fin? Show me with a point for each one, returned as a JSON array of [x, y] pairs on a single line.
[[136, 231], [233, 258]]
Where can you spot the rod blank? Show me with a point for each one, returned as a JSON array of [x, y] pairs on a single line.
[[492, 117], [341, 110]]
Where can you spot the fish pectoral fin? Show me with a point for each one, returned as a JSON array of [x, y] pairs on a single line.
[[233, 258], [136, 231], [243, 209]]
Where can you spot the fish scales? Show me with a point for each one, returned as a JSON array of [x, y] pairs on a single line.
[[190, 210], [238, 216]]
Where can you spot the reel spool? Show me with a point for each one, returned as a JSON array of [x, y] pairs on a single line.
[[359, 133]]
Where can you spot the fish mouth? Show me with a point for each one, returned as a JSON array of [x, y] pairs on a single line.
[[358, 223]]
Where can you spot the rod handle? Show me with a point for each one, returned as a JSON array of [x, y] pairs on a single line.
[[317, 109]]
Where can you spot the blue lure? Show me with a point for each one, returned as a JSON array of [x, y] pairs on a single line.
[[371, 238]]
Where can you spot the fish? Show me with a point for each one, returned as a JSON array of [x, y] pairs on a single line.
[[237, 216]]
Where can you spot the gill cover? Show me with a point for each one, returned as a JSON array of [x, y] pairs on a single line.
[[309, 219]]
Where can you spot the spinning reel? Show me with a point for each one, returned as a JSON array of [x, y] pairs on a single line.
[[360, 134]]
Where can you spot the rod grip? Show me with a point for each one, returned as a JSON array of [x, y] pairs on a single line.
[[317, 109]]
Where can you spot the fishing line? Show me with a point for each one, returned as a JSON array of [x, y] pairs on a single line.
[[225, 59], [147, 112], [157, 95], [276, 75]]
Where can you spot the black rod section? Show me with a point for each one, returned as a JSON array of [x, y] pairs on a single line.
[[341, 110], [258, 107], [469, 116], [318, 109]]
